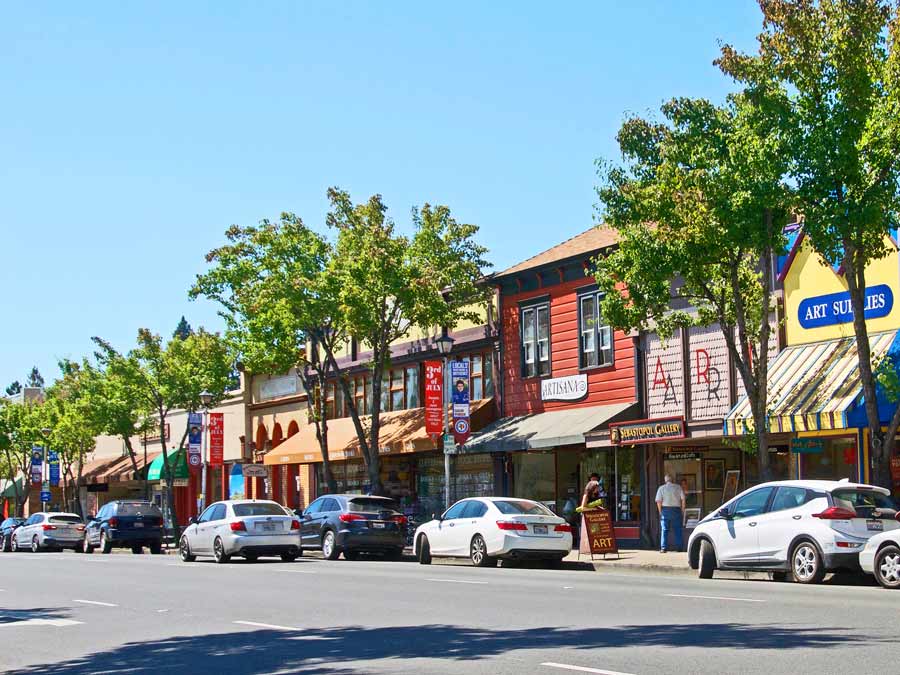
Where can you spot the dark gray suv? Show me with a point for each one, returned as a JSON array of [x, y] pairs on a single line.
[[353, 524]]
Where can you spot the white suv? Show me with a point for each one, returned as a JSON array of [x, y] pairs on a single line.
[[801, 527]]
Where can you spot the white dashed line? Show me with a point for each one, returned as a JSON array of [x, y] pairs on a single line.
[[266, 625], [582, 669], [297, 571], [457, 581], [712, 597], [95, 602]]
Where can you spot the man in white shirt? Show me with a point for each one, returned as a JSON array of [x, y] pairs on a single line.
[[670, 504]]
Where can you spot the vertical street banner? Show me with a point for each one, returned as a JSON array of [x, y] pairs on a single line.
[[459, 383], [434, 398], [37, 464], [53, 464], [195, 439], [216, 439]]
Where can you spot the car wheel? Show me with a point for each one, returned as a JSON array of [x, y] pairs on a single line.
[[4, 543], [251, 557], [329, 546], [137, 550], [105, 543], [887, 567], [424, 553], [35, 545], [15, 543], [185, 549], [707, 560], [806, 563], [86, 545], [289, 557], [156, 548], [219, 552], [478, 553]]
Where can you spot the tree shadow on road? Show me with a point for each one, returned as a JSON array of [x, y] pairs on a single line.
[[334, 650], [16, 615]]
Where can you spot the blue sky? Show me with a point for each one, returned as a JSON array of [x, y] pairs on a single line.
[[133, 134]]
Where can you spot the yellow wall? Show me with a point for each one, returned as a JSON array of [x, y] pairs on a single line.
[[810, 277]]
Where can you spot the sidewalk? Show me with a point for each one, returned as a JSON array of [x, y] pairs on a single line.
[[654, 562]]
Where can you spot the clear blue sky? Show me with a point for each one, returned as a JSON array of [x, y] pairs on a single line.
[[133, 134]]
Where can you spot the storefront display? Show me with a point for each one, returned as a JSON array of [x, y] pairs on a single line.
[[831, 458], [534, 477], [703, 475], [473, 476]]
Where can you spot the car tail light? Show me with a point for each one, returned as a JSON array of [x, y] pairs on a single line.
[[238, 526], [836, 513], [562, 528], [350, 517], [113, 522], [295, 524], [400, 520], [897, 515], [80, 528], [511, 525], [48, 527], [847, 544]]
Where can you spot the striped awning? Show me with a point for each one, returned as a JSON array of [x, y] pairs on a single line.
[[811, 387]]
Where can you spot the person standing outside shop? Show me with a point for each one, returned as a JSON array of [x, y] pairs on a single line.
[[670, 504]]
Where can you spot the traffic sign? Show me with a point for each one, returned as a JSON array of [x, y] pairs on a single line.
[[46, 496], [461, 426], [194, 459]]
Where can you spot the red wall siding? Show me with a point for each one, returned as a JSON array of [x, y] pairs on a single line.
[[611, 384]]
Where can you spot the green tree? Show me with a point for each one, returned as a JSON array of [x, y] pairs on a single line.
[[35, 379], [388, 283], [711, 180], [14, 388], [840, 62], [183, 329], [20, 429]]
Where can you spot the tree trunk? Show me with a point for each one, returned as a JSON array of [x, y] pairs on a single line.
[[373, 458], [169, 478], [316, 405], [761, 367], [131, 455]]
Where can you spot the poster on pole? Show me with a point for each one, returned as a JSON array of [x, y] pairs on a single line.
[[216, 439], [434, 398], [459, 383], [53, 464], [37, 464], [195, 438]]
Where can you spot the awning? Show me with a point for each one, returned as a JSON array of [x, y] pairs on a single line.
[[402, 431], [543, 430], [177, 463], [812, 387], [9, 492], [111, 469]]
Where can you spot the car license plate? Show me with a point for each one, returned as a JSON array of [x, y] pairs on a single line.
[[378, 526], [138, 524], [266, 527], [875, 526], [540, 529]]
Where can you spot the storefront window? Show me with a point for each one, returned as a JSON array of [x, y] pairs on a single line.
[[412, 387], [708, 476], [619, 470], [429, 486], [534, 477], [397, 390], [477, 370], [837, 460], [473, 476], [536, 341]]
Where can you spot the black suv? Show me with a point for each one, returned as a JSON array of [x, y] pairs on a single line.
[[125, 524], [6, 530], [353, 524]]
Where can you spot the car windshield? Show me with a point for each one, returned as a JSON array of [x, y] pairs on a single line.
[[514, 507], [864, 502], [262, 509], [370, 505], [65, 519], [138, 509]]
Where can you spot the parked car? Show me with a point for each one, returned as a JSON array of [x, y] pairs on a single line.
[[43, 531], [245, 527], [488, 529], [881, 557], [353, 524], [799, 528], [125, 524], [7, 527]]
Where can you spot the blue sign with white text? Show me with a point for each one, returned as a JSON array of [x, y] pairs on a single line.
[[46, 496], [834, 308], [53, 464]]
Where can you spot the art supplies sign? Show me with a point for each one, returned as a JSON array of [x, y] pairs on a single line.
[[597, 533], [459, 381], [434, 398], [216, 439]]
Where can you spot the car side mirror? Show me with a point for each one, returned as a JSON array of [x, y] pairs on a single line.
[[437, 517], [192, 520], [724, 513]]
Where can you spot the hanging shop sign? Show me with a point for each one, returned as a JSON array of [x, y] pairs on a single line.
[[37, 463], [807, 446], [834, 308], [255, 471], [53, 464], [216, 439], [195, 439], [459, 382], [434, 397], [597, 533], [680, 454], [647, 431], [570, 388]]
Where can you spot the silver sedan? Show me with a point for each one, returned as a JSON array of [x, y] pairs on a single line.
[[247, 527], [49, 531]]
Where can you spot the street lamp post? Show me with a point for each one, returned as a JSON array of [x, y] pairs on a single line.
[[445, 346], [45, 475], [205, 399]]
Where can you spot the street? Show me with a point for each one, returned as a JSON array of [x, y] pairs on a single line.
[[70, 613]]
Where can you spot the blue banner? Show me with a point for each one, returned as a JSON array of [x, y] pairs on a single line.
[[37, 461], [53, 464], [834, 308], [459, 386]]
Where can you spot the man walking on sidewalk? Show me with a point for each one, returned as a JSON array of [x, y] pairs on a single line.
[[670, 504]]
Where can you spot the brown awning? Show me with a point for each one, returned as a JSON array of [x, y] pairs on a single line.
[[111, 469], [402, 431]]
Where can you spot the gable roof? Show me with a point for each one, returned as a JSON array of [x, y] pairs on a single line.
[[594, 239]]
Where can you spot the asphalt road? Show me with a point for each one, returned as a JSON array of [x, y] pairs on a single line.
[[70, 613]]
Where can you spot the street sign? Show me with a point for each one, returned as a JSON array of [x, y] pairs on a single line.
[[46, 496], [216, 439], [449, 445], [255, 471]]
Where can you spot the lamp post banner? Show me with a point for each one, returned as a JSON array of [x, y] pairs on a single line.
[[434, 397], [53, 463], [459, 383], [216, 439], [37, 462], [195, 438]]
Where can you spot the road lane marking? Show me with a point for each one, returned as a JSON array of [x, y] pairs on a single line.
[[583, 669], [297, 571], [457, 581], [41, 622], [712, 597], [95, 602], [266, 625]]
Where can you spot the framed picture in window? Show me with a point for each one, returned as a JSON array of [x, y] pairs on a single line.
[[732, 480], [714, 475]]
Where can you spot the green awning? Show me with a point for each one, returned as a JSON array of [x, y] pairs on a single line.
[[177, 463], [9, 492]]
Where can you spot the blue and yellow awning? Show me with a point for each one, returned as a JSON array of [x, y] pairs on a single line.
[[812, 387]]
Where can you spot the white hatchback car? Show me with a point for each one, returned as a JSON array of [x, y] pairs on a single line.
[[804, 528], [881, 557], [486, 529], [245, 527]]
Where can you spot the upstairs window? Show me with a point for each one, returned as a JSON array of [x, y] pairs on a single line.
[[536, 340], [596, 348]]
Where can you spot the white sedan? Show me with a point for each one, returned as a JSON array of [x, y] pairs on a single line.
[[486, 529], [881, 557]]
